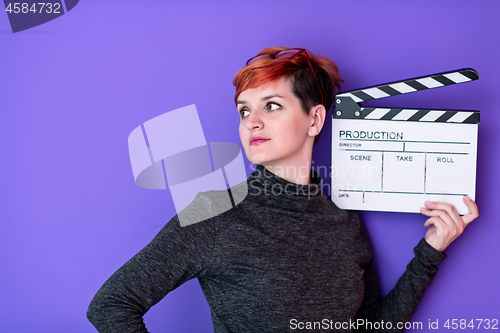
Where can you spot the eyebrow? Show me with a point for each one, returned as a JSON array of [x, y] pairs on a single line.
[[263, 98]]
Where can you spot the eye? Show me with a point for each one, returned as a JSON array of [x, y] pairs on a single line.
[[271, 106], [244, 113]]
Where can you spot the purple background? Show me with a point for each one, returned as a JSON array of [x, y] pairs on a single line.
[[73, 89]]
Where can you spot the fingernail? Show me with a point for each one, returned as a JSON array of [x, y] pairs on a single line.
[[423, 209], [466, 198], [427, 203]]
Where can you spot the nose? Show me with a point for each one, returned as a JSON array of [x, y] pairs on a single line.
[[254, 120]]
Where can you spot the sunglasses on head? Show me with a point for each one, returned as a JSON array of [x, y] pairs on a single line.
[[289, 54]]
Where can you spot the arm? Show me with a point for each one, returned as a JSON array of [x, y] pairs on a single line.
[[401, 302], [445, 225], [176, 255]]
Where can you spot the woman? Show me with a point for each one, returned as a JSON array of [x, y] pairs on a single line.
[[285, 258]]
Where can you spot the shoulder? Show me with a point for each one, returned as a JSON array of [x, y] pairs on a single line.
[[210, 204]]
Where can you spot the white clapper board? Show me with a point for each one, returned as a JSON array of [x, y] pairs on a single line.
[[395, 159]]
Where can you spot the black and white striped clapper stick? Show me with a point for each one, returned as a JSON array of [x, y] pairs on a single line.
[[347, 103]]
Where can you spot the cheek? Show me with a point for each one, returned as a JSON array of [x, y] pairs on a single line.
[[293, 131]]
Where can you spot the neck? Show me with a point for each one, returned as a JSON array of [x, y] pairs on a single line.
[[296, 170], [263, 182]]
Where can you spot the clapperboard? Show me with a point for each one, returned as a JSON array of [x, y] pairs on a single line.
[[395, 159]]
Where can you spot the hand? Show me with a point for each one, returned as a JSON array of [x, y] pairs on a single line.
[[445, 224]]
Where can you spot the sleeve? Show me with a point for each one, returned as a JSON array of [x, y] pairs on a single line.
[[175, 255], [401, 302]]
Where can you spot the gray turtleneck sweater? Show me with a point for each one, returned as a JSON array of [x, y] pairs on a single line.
[[279, 261]]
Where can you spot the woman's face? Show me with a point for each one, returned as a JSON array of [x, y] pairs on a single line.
[[274, 130]]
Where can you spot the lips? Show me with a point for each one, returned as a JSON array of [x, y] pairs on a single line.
[[257, 140]]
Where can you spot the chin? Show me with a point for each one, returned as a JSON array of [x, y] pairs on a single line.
[[265, 156], [263, 160], [257, 158]]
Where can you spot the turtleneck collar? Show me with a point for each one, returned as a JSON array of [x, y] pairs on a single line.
[[263, 181]]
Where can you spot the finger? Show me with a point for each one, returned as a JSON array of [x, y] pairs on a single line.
[[452, 212], [450, 209], [439, 238], [429, 222], [473, 211], [443, 215], [447, 226], [437, 222]]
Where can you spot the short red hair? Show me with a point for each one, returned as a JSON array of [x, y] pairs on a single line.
[[268, 70], [303, 84]]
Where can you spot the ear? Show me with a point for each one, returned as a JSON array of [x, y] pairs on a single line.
[[317, 116]]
